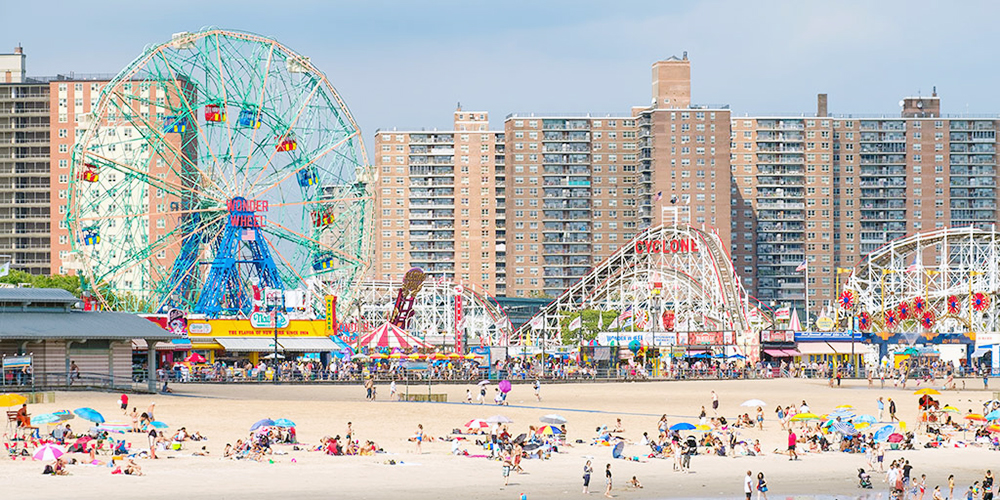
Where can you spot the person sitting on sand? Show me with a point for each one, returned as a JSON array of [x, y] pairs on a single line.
[[59, 467], [634, 483], [619, 428]]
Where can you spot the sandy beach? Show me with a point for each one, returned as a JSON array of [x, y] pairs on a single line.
[[224, 414]]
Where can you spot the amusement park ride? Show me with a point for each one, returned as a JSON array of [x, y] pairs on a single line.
[[221, 163], [215, 164]]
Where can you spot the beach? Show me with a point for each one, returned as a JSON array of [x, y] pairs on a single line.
[[224, 413]]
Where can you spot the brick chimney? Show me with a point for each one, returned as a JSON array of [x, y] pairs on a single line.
[[821, 105]]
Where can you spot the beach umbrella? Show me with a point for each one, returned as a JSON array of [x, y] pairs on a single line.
[[993, 415], [89, 414], [160, 425], [843, 414], [753, 402], [951, 409], [195, 358], [548, 430], [883, 433], [283, 422], [552, 418], [48, 452], [926, 390], [46, 418], [866, 419], [119, 427], [504, 385], [682, 426], [843, 407], [895, 438], [11, 399], [975, 417], [262, 423], [616, 452], [532, 446], [359, 356], [520, 438], [499, 419], [806, 416], [844, 428], [993, 428], [477, 424], [483, 382], [702, 427]]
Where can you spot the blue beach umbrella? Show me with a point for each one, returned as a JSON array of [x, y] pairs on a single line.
[[262, 423], [89, 414], [283, 422], [884, 433], [159, 425], [682, 426], [867, 419], [45, 418], [993, 415]]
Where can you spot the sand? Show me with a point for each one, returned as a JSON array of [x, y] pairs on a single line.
[[224, 414]]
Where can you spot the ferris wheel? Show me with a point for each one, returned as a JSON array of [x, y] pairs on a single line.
[[215, 166]]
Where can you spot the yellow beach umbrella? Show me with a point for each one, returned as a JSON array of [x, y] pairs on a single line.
[[926, 390], [11, 399], [843, 407], [951, 409], [806, 416], [700, 427]]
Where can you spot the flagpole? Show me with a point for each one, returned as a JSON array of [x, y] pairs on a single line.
[[806, 307]]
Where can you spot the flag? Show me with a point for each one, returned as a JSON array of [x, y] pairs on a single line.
[[5, 269], [912, 268], [537, 322], [248, 235], [802, 266], [576, 323], [600, 320], [659, 195]]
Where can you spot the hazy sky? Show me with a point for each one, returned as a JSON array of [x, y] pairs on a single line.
[[406, 64]]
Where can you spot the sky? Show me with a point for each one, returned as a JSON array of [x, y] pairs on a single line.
[[407, 64]]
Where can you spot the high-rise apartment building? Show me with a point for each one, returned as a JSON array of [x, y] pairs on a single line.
[[573, 195], [24, 167], [441, 204], [780, 190]]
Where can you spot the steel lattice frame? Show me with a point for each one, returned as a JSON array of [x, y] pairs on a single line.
[[702, 287], [933, 266], [187, 127], [434, 317]]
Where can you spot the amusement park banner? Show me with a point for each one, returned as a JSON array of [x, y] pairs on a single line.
[[243, 328]]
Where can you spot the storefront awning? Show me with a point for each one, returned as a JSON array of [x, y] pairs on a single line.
[[310, 344], [172, 345], [244, 344], [981, 351], [806, 348], [782, 353]]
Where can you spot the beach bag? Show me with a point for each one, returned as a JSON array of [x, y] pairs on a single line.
[[48, 470]]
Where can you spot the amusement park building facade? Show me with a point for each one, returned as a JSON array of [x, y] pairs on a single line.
[[780, 190]]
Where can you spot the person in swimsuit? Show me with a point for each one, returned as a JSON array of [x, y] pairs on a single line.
[[761, 486], [587, 471], [607, 478], [419, 437]]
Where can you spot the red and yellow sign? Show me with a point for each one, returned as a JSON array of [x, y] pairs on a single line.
[[243, 328]]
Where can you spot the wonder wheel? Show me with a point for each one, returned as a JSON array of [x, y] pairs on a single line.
[[215, 166]]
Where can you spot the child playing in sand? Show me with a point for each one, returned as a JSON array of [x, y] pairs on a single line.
[[634, 483]]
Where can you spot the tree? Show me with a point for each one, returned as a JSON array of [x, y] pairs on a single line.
[[592, 323], [69, 283]]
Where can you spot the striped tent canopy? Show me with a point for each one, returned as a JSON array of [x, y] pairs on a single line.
[[389, 335]]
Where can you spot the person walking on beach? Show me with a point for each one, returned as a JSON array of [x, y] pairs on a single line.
[[892, 411], [538, 390], [951, 487], [587, 471], [792, 438], [507, 464], [748, 484], [988, 486], [702, 416], [392, 390], [921, 487], [607, 478], [419, 437], [761, 486], [881, 408], [369, 384], [880, 457], [715, 403], [468, 396], [482, 393]]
